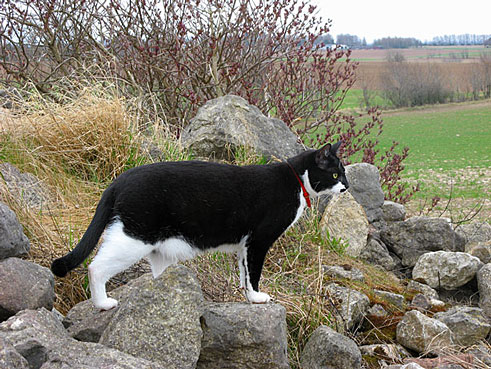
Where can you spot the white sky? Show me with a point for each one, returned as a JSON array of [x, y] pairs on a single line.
[[421, 19]]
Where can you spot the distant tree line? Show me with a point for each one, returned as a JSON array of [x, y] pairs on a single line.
[[465, 39], [352, 41], [397, 42]]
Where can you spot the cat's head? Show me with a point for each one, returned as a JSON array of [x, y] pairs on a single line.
[[327, 174]]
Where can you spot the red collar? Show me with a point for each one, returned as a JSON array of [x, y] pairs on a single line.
[[305, 193]]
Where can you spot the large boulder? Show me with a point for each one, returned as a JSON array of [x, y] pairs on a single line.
[[484, 286], [24, 285], [475, 232], [364, 181], [468, 324], [327, 349], [243, 336], [351, 306], [344, 219], [27, 187], [160, 319], [39, 336], [13, 241], [446, 270], [228, 122], [418, 235], [422, 334]]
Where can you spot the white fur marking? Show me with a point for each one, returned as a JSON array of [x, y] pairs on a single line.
[[301, 208]]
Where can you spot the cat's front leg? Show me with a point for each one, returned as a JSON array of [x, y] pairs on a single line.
[[251, 260]]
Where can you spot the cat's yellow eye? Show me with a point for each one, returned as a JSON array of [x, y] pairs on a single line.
[[335, 175]]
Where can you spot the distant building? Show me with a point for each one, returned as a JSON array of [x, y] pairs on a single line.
[[487, 43]]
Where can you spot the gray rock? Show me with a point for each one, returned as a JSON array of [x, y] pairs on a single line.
[[340, 272], [421, 302], [13, 241], [469, 325], [10, 358], [40, 338], [344, 219], [243, 336], [225, 123], [405, 366], [27, 187], [375, 252], [327, 349], [160, 319], [393, 212], [446, 270], [351, 305], [418, 235], [484, 287], [422, 288], [364, 180], [392, 298], [481, 250], [85, 323], [383, 351], [377, 311], [422, 334], [475, 232], [24, 285]]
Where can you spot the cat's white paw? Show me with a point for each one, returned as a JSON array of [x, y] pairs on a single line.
[[258, 297], [106, 304]]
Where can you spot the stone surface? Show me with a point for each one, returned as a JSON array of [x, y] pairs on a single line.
[[393, 212], [86, 323], [10, 358], [423, 288], [243, 336], [27, 187], [24, 285], [364, 181], [392, 298], [375, 252], [387, 352], [160, 319], [469, 325], [344, 219], [343, 272], [40, 338], [481, 250], [351, 305], [405, 366], [225, 123], [475, 232], [484, 287], [327, 349], [446, 270], [422, 334], [418, 235], [421, 302], [13, 241]]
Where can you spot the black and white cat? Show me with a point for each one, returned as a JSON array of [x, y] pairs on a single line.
[[172, 211]]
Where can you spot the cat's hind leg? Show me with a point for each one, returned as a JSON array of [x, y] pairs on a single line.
[[117, 253]]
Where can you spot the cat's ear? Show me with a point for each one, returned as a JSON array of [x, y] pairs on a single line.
[[323, 153], [334, 148]]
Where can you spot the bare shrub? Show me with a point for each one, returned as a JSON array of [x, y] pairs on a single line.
[[413, 84]]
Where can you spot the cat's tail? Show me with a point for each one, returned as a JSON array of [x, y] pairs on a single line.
[[60, 267]]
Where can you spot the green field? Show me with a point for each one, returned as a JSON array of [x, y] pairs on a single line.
[[450, 148]]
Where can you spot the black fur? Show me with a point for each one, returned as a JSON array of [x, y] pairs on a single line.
[[208, 204]]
